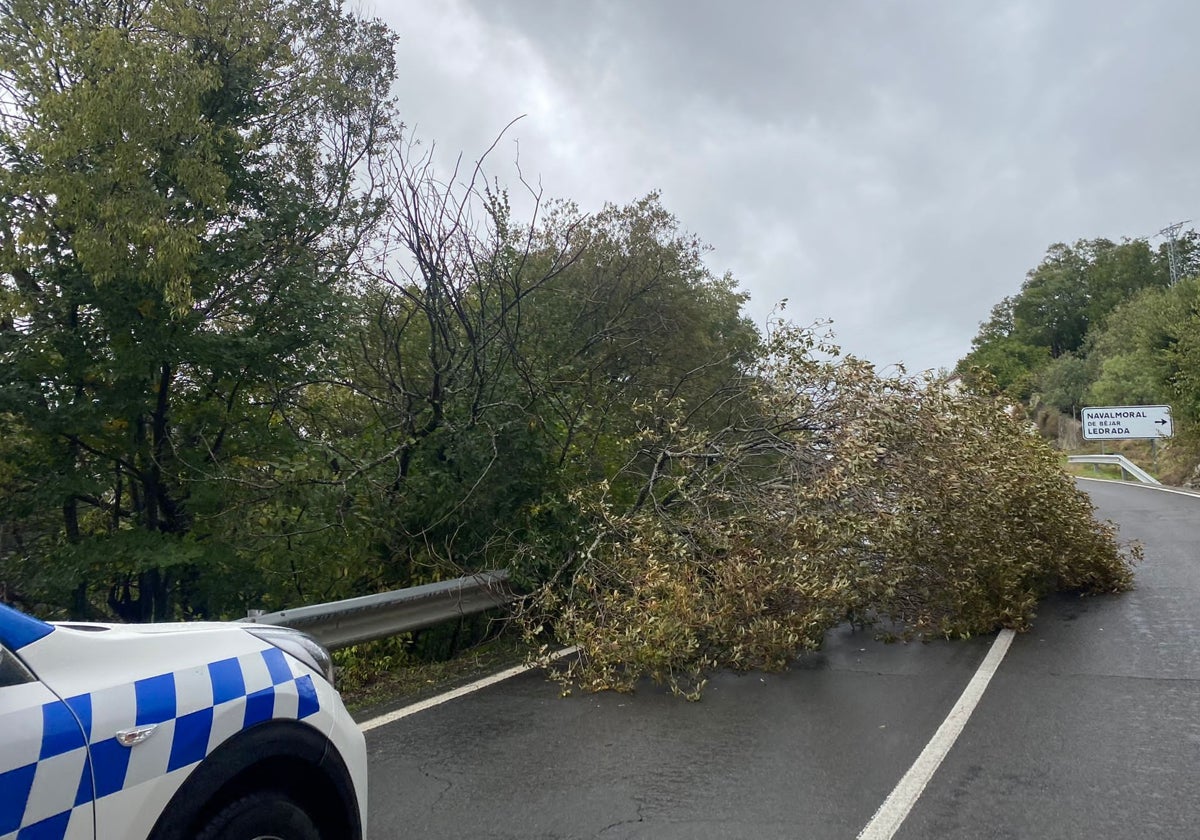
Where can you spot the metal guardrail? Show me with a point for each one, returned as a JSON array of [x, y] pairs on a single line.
[[354, 620], [1127, 466]]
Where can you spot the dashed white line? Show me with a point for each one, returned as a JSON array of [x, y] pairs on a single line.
[[461, 691], [895, 809]]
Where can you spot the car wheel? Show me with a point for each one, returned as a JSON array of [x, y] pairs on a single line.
[[265, 815]]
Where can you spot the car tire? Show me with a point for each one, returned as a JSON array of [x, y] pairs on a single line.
[[265, 815]]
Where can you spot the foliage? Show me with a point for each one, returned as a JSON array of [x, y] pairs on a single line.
[[1069, 294], [837, 493], [256, 351], [974, 521], [500, 364], [1063, 384], [1100, 323], [1132, 353], [180, 202]]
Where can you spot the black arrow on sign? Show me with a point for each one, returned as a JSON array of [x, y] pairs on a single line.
[[1160, 422]]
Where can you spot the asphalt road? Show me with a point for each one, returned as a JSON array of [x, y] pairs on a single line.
[[1090, 729]]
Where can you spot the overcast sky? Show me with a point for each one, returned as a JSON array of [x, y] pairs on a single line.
[[893, 166]]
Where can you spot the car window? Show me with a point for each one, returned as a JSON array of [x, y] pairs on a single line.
[[12, 672]]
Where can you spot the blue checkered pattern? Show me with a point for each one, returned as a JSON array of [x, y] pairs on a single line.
[[67, 754]]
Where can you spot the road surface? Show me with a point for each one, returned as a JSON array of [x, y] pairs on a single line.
[[1090, 728]]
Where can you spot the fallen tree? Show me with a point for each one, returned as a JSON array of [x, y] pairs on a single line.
[[834, 493]]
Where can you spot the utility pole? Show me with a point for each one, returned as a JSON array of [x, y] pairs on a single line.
[[1171, 232]]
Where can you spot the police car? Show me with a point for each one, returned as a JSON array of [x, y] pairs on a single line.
[[191, 731]]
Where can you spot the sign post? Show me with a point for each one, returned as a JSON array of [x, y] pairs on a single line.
[[1127, 422]]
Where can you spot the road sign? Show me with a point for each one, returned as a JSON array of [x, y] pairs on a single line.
[[1125, 422]]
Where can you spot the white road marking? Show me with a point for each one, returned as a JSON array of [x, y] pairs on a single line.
[[461, 691], [894, 810], [1193, 493]]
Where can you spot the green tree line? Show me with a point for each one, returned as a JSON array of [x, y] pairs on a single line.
[[1099, 323], [256, 351]]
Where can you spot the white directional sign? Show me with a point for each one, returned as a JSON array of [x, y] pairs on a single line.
[[1123, 422]]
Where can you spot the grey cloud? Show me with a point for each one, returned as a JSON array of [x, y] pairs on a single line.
[[897, 166]]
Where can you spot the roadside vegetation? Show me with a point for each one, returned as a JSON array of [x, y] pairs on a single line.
[[836, 494], [398, 670], [1102, 323], [257, 351]]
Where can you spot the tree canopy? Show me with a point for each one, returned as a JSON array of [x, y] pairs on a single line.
[[257, 351], [1099, 323], [182, 194]]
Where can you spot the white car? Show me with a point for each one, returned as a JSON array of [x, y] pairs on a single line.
[[173, 732]]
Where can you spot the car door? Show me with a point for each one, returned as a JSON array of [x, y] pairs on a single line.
[[45, 777]]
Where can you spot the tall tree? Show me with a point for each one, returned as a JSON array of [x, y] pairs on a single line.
[[182, 186], [1051, 310], [1066, 298], [1008, 358], [1117, 272], [638, 315], [508, 363]]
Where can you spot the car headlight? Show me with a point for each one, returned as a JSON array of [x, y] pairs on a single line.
[[300, 645]]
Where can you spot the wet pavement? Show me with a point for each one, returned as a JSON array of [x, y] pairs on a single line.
[[1084, 732], [1091, 728]]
